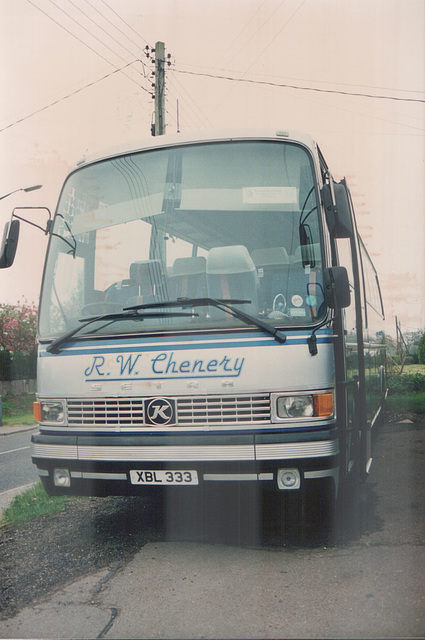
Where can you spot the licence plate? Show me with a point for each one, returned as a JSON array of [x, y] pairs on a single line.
[[164, 477]]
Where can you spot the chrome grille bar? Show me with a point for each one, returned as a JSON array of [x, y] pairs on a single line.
[[191, 411], [108, 412], [223, 409]]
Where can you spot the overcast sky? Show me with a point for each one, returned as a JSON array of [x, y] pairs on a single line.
[[75, 80]]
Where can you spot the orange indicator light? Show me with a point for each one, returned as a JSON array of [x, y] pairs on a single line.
[[37, 411], [323, 405]]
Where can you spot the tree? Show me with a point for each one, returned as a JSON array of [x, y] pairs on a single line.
[[421, 350], [18, 327]]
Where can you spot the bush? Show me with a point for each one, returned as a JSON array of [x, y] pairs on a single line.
[[18, 327], [421, 350], [411, 403], [18, 406], [24, 366], [18, 366], [406, 383], [5, 365], [412, 359]]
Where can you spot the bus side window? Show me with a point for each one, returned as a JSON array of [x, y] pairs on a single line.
[[372, 291]]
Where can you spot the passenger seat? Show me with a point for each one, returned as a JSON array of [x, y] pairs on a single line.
[[231, 274]]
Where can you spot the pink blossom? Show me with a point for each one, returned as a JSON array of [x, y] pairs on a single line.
[[18, 327]]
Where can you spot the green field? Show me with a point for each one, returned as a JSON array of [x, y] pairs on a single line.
[[414, 368]]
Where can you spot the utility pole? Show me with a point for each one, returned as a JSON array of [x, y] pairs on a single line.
[[401, 344], [159, 128]]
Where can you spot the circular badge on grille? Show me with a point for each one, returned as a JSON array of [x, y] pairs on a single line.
[[159, 411]]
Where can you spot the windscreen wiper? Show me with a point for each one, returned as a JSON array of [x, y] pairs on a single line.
[[223, 305], [53, 347]]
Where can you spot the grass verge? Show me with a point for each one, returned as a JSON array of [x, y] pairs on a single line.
[[31, 504], [408, 403], [407, 392], [17, 409]]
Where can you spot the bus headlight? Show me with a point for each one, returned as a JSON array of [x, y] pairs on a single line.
[[49, 411], [295, 406], [317, 405]]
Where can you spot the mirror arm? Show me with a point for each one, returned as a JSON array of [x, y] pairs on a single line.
[[46, 229]]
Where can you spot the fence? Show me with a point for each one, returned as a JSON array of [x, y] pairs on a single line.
[[17, 372], [17, 387]]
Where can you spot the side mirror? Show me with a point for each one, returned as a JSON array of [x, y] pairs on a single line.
[[336, 201], [337, 288], [9, 243]]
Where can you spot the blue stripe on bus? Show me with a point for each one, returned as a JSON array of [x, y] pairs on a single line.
[[114, 346]]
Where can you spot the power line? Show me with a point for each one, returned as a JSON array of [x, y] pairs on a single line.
[[344, 84], [202, 119], [68, 31], [88, 31], [269, 42], [98, 26], [30, 115], [235, 39], [118, 29], [115, 26], [291, 86], [80, 40], [368, 115], [126, 23]]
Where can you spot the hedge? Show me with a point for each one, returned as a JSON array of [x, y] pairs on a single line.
[[406, 383], [17, 366]]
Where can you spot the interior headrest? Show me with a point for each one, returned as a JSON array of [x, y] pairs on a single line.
[[230, 260], [146, 270], [271, 256], [189, 266]]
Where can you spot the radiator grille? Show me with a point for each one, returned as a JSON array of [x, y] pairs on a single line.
[[108, 412], [223, 409], [191, 411]]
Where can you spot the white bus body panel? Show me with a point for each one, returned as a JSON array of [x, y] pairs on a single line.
[[188, 365]]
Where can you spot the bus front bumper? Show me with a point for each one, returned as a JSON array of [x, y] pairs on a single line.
[[126, 464]]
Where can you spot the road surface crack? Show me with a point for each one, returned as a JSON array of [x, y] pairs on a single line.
[[114, 613]]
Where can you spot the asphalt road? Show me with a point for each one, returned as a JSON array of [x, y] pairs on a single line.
[[369, 584], [16, 468]]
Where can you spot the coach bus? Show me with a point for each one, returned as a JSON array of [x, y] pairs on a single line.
[[208, 314]]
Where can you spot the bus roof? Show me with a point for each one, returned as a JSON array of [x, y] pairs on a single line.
[[199, 137]]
